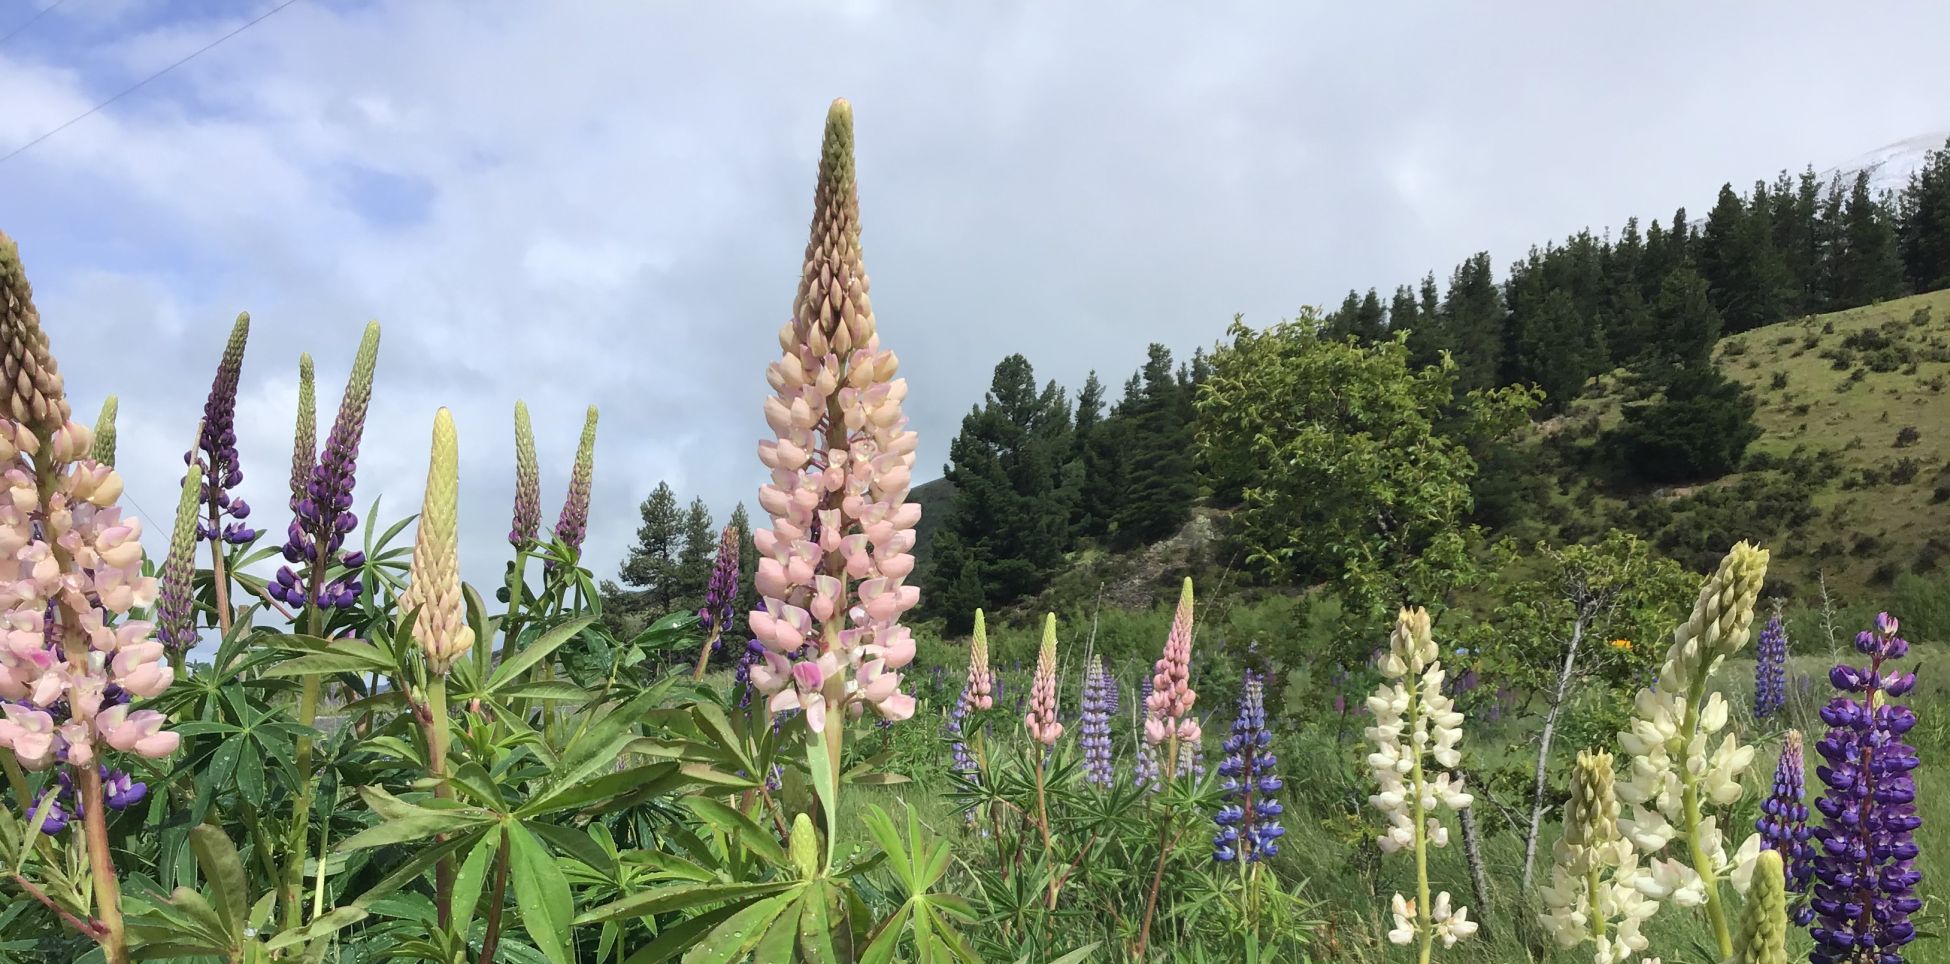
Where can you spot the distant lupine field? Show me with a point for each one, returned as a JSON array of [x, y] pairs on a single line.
[[360, 757]]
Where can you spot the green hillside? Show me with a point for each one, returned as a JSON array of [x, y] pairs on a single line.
[[1849, 481], [1868, 384], [1846, 482]]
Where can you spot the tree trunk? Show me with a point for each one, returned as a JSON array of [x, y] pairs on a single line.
[[1544, 747], [1478, 880]]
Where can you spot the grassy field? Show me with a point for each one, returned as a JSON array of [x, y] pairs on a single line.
[[1835, 486], [1330, 828]]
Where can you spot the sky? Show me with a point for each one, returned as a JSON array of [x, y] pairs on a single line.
[[576, 203]]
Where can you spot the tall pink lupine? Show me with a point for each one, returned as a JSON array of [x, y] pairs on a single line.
[[1041, 719], [832, 570], [71, 661], [1167, 716]]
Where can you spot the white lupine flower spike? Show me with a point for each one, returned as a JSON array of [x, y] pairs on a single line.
[[1682, 764], [1415, 734]]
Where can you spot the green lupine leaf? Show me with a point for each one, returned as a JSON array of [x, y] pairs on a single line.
[[680, 896], [223, 874], [754, 838], [740, 933], [469, 880], [532, 653], [672, 940], [548, 908], [345, 656]]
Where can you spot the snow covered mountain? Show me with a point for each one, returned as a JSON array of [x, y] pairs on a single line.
[[1890, 166]]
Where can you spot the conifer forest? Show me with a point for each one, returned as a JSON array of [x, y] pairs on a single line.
[[1591, 607]]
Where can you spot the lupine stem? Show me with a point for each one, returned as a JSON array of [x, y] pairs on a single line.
[[101, 866], [498, 896], [218, 575], [704, 655], [1424, 921], [308, 719], [1165, 840], [443, 876], [1689, 800]]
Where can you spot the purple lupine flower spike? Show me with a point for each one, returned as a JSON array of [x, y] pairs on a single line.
[[528, 482], [573, 524], [1099, 702], [324, 516], [121, 791], [1249, 823], [721, 593], [1770, 669], [1865, 874], [1783, 824], [216, 448]]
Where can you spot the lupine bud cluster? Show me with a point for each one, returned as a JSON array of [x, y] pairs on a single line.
[[433, 587], [1416, 729], [1099, 702], [68, 673], [573, 524], [1169, 704], [721, 593], [528, 482], [216, 449], [1783, 824], [304, 439], [1763, 919], [1592, 894], [1041, 719], [1676, 771], [1249, 822], [175, 602], [975, 694], [324, 516], [119, 791], [832, 570], [1770, 669], [104, 450], [1865, 871]]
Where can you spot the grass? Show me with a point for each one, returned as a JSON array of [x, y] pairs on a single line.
[[1869, 525], [1858, 412], [1330, 828]]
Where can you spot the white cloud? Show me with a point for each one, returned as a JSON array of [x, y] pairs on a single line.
[[597, 202]]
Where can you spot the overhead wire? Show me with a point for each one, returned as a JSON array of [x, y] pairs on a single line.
[[44, 11], [138, 85]]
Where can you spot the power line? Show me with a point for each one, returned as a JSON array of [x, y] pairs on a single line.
[[44, 11], [138, 85]]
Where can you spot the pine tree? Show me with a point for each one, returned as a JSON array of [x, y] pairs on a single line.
[[1010, 520], [1345, 319], [747, 599], [1926, 223], [1868, 266], [1162, 485], [1626, 319], [1795, 202], [1746, 277], [1684, 325], [695, 559], [1554, 347], [1369, 326], [1401, 310], [1106, 471], [651, 566], [1473, 317], [953, 582]]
